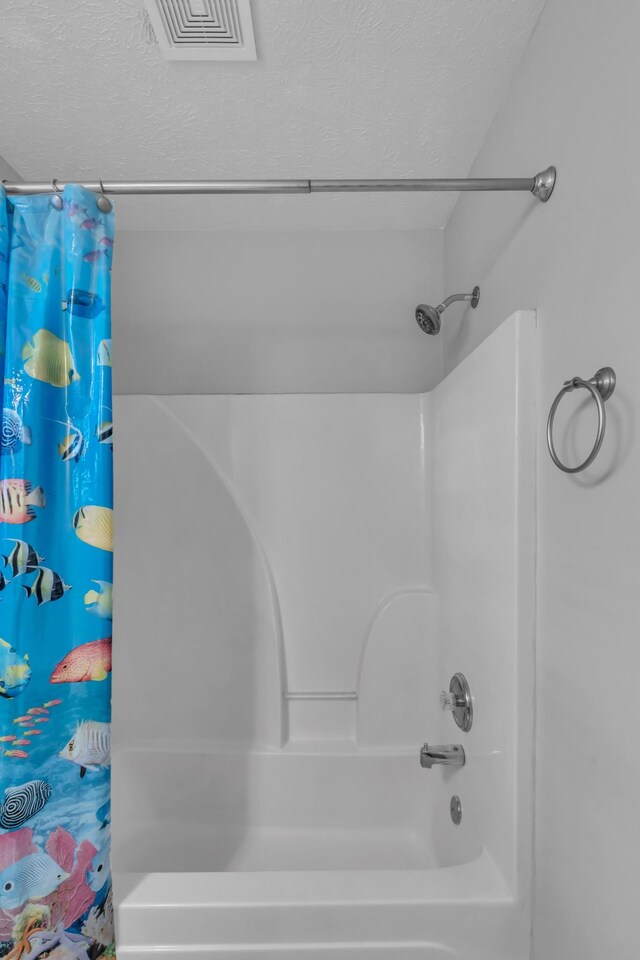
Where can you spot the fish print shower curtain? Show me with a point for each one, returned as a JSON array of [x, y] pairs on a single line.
[[56, 576]]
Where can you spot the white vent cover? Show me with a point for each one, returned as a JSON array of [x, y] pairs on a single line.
[[203, 29]]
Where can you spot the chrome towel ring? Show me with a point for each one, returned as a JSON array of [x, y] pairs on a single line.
[[600, 386]]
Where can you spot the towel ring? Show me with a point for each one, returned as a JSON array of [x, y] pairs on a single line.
[[600, 386]]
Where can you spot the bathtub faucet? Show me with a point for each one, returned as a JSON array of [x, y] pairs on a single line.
[[452, 755]]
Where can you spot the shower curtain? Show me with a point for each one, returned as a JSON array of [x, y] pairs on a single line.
[[56, 575]]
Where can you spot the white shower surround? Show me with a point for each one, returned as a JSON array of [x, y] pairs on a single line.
[[248, 825]]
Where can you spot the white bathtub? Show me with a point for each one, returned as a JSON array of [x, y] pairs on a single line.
[[286, 621], [299, 854]]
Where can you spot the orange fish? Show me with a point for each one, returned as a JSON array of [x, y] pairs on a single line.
[[35, 710], [21, 743], [32, 733], [89, 661], [17, 501], [22, 720], [39, 719], [8, 738], [53, 703], [16, 753]]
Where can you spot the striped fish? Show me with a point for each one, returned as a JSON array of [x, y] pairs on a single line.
[[31, 878], [47, 586], [17, 501], [23, 802], [104, 432], [90, 746], [22, 559], [72, 447]]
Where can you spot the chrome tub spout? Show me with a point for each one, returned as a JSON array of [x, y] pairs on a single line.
[[451, 755]]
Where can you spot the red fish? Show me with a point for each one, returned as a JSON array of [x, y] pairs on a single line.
[[89, 224], [89, 661], [93, 255], [53, 703], [106, 241], [39, 720], [17, 501], [22, 719], [21, 743], [37, 710], [8, 738], [32, 733], [16, 753]]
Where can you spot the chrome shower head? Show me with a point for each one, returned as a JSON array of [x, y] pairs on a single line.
[[428, 318]]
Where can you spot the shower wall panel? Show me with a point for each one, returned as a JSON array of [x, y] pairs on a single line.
[[277, 537]]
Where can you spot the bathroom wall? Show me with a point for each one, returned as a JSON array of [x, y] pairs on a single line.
[[574, 103], [7, 172], [300, 310]]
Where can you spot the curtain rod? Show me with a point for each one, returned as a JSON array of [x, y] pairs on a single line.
[[541, 186]]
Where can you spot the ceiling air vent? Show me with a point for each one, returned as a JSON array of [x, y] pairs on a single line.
[[203, 29]]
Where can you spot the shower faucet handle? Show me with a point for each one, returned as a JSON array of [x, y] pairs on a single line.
[[449, 701], [458, 700]]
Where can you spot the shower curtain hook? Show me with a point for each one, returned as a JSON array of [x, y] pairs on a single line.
[[104, 204], [56, 199]]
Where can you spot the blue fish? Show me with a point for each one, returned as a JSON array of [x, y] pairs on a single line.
[[14, 433], [30, 878], [99, 870]]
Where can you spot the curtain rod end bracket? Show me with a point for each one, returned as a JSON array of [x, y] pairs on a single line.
[[543, 184]]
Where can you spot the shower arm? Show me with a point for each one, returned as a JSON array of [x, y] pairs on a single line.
[[471, 298]]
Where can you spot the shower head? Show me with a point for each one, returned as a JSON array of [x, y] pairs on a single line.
[[428, 318]]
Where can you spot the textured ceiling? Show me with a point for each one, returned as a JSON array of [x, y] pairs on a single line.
[[342, 88]]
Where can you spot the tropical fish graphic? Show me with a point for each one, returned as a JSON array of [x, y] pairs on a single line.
[[32, 283], [23, 802], [25, 719], [39, 720], [14, 433], [100, 601], [15, 671], [94, 525], [99, 869], [90, 223], [83, 303], [21, 743], [52, 703], [34, 711], [94, 255], [72, 446], [8, 738], [32, 733], [104, 432], [17, 501], [90, 746], [21, 754], [89, 661], [47, 586], [104, 353], [3, 582], [48, 358], [105, 241], [22, 559], [31, 878]]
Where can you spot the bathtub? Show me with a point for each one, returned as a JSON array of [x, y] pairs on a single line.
[[283, 635], [351, 854]]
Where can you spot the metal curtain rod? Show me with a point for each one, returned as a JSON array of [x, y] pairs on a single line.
[[541, 186]]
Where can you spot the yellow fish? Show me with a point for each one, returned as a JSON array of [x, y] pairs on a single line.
[[94, 525], [35, 285], [104, 353], [49, 359]]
